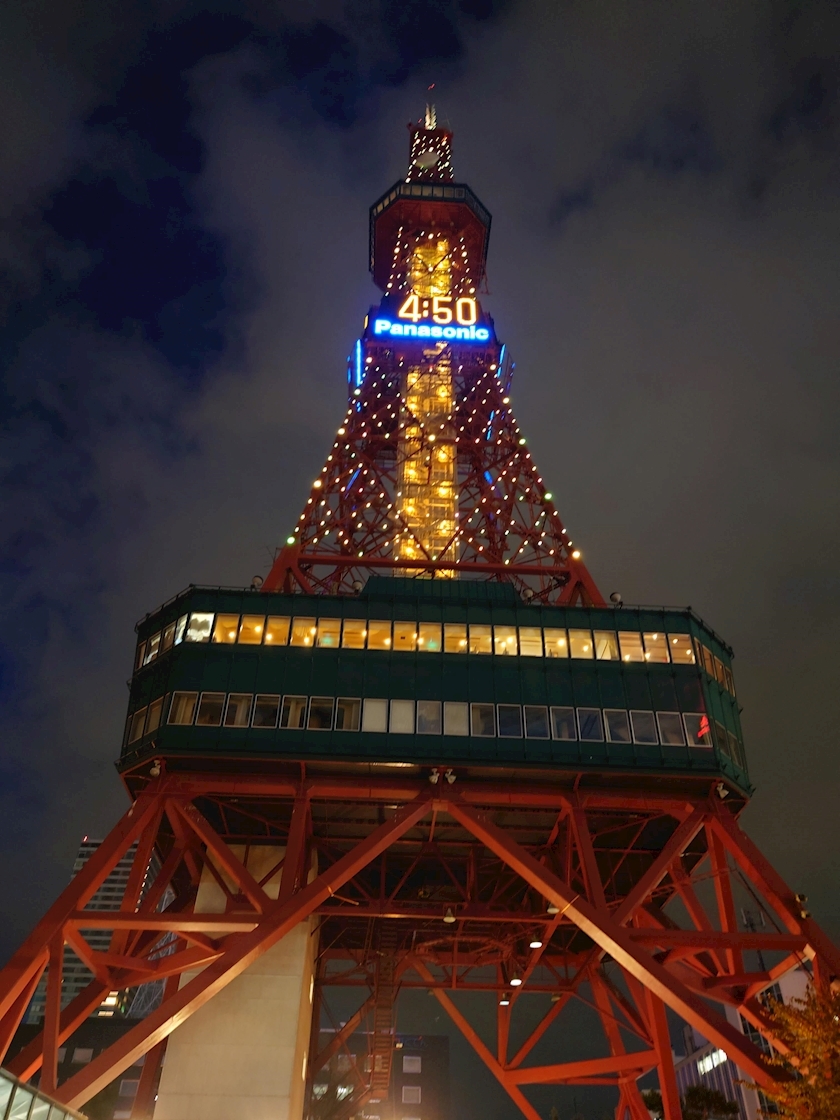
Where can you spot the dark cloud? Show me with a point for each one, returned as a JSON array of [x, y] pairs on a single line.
[[184, 207]]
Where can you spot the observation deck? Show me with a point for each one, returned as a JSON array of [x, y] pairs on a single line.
[[419, 672]]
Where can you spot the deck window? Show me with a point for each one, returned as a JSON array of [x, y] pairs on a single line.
[[580, 644], [168, 639], [682, 652], [454, 637], [226, 628], [180, 629], [251, 629], [670, 729], [329, 632], [266, 707], [141, 653], [618, 726], [656, 648], [510, 721], [303, 631], [293, 712], [155, 711], [348, 713], [182, 708], [152, 647], [530, 641], [556, 642], [379, 634], [375, 715], [483, 719], [697, 729], [606, 645], [563, 724], [320, 713], [504, 640], [429, 637], [354, 633], [199, 627], [455, 718], [238, 711], [402, 717], [644, 728], [277, 630], [210, 708], [405, 636], [480, 639], [630, 644], [428, 717], [590, 725], [136, 725], [536, 722]]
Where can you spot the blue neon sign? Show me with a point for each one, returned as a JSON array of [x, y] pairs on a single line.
[[383, 327]]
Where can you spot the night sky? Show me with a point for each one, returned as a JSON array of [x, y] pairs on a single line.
[[184, 194]]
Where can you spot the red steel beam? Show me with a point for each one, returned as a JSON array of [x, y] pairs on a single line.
[[234, 960], [638, 1063]]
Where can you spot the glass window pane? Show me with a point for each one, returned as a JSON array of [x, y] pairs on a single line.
[[348, 714], [556, 644], [721, 738], [379, 634], [536, 722], [141, 653], [329, 632], [182, 708], [135, 730], [735, 750], [180, 629], [606, 645], [58, 1113], [293, 712], [198, 629], [40, 1109], [354, 633], [656, 648], [455, 718], [405, 635], [644, 728], [580, 644], [226, 628], [670, 729], [563, 725], [720, 675], [402, 717], [454, 637], [320, 713], [510, 721], [152, 647], [504, 639], [266, 707], [429, 637], [618, 726], [251, 629], [480, 639], [277, 630], [412, 1063], [590, 725], [530, 641], [238, 711], [707, 657], [153, 720], [697, 729], [303, 631], [630, 643], [210, 709], [428, 717], [682, 651], [6, 1088], [20, 1103], [729, 682], [168, 639], [483, 717], [375, 715]]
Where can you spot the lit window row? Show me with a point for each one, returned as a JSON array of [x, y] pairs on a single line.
[[433, 637], [428, 717]]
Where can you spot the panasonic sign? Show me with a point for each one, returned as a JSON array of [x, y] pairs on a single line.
[[382, 327]]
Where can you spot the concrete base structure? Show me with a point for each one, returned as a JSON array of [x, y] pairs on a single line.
[[244, 1053]]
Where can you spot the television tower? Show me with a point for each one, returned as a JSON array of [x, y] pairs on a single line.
[[424, 754]]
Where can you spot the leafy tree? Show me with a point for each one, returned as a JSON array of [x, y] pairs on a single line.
[[653, 1102], [702, 1103], [810, 1029]]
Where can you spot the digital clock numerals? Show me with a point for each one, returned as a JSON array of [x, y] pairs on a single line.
[[465, 310]]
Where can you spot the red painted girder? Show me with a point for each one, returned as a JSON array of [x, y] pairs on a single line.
[[615, 940], [716, 939], [638, 1063], [234, 961]]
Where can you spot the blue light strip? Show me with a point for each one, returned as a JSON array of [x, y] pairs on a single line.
[[382, 327], [359, 368]]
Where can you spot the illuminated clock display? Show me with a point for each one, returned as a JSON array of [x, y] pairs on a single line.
[[440, 309]]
